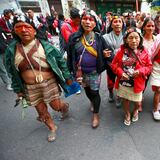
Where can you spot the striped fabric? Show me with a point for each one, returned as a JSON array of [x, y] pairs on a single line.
[[128, 93], [46, 91]]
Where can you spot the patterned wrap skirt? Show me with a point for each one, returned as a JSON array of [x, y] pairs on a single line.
[[91, 80], [155, 75], [45, 92], [128, 93]]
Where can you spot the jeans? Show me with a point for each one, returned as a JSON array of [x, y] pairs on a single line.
[[3, 72]]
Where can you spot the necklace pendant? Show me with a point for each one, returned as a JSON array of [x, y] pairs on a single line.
[[39, 78]]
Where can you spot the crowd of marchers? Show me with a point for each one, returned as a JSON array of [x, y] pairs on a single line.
[[126, 47]]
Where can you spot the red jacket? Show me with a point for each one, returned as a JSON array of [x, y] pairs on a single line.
[[67, 30], [3, 25], [144, 68]]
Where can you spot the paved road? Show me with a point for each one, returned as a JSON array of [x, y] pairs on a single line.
[[76, 140]]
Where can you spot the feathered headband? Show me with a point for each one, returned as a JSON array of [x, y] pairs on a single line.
[[130, 30]]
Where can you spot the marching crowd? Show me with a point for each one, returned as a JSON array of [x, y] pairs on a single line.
[[126, 46]]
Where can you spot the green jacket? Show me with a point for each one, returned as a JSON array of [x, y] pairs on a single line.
[[54, 59]]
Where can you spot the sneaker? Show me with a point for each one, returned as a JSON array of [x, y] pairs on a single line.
[[156, 115], [110, 99], [9, 88], [78, 92]]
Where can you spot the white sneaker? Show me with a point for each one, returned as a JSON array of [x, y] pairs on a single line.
[[78, 92], [9, 88], [156, 115]]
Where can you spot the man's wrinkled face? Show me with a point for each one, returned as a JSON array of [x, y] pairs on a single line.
[[25, 31], [30, 13]]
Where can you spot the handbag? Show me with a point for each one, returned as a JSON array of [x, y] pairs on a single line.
[[79, 76]]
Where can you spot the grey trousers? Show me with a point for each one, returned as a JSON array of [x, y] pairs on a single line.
[[3, 72]]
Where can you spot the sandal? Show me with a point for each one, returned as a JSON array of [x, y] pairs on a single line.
[[135, 116], [52, 135], [65, 113], [127, 121], [39, 119]]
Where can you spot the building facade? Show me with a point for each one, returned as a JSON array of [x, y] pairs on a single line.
[[114, 6], [63, 6], [6, 4]]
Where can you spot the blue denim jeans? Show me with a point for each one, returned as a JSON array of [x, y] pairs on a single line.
[[3, 72]]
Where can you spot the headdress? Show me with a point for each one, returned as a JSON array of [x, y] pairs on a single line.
[[130, 30], [20, 17]]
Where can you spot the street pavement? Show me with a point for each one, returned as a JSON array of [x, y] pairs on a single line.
[[26, 139]]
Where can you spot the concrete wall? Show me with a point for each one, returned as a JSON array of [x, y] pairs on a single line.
[[7, 4]]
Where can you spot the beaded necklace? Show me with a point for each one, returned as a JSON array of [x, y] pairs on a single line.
[[90, 40]]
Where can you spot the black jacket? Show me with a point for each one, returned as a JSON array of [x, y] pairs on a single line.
[[102, 62], [4, 40]]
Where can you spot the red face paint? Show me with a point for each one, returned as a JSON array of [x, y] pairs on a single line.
[[23, 28], [25, 32], [87, 17]]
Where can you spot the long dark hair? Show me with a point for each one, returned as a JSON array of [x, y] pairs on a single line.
[[77, 35], [148, 19]]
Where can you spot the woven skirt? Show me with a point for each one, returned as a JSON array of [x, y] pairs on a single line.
[[128, 93], [45, 92], [155, 75]]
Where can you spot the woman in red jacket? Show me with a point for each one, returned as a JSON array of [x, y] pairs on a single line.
[[131, 64]]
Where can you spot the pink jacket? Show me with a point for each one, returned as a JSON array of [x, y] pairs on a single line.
[[155, 47], [144, 68]]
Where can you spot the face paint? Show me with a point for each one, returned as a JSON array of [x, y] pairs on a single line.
[[23, 28], [88, 23], [25, 32], [87, 17]]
